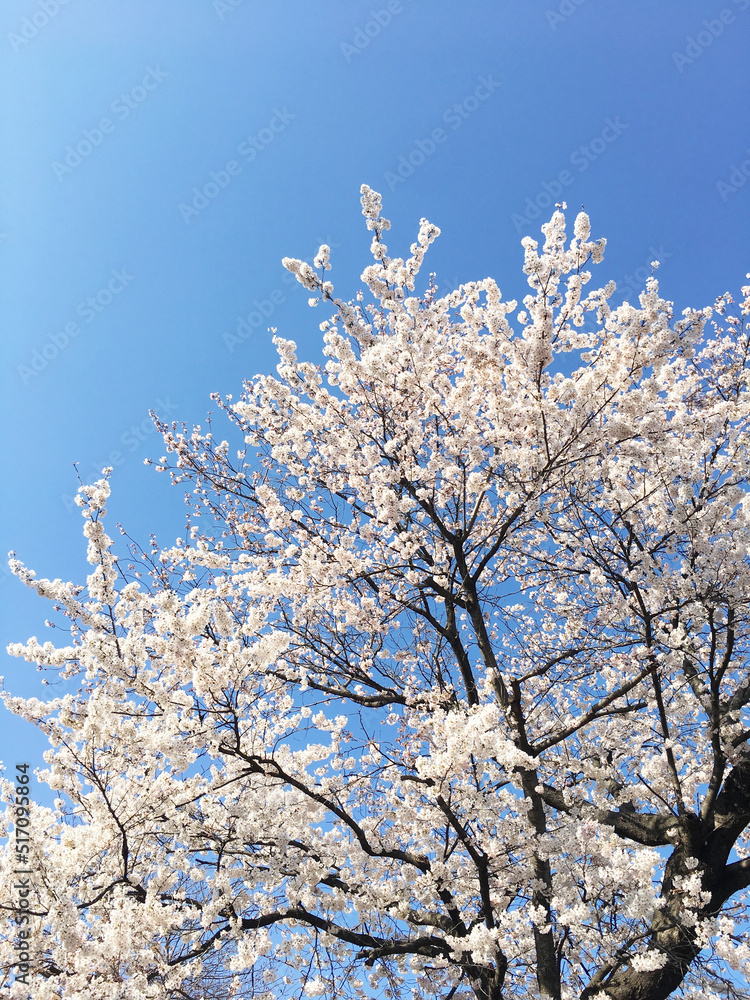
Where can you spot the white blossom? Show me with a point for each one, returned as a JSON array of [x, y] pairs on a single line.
[[445, 691]]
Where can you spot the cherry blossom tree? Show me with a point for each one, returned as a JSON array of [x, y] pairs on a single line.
[[445, 691]]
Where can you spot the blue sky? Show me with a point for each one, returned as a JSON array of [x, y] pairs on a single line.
[[160, 158]]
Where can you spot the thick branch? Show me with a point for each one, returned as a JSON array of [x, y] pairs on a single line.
[[650, 829]]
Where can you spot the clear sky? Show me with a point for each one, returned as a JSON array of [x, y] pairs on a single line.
[[160, 157]]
